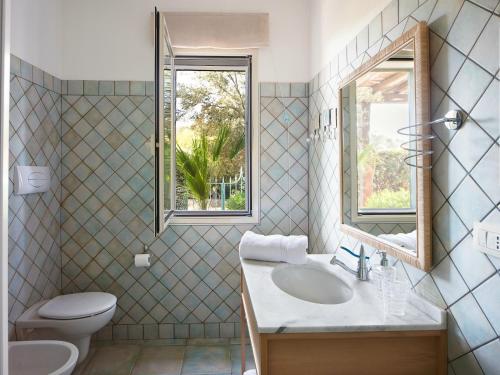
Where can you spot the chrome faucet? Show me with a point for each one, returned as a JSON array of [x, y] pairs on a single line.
[[362, 272]]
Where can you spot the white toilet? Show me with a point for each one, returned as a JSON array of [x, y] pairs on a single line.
[[71, 317]]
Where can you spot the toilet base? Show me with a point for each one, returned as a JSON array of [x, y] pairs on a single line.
[[83, 345]]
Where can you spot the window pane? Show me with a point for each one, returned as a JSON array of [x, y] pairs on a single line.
[[211, 140], [167, 134], [382, 107]]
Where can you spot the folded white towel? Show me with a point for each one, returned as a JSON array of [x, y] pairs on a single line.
[[406, 240], [274, 248], [250, 372]]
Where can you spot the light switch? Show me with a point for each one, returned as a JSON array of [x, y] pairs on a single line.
[[493, 241], [486, 238]]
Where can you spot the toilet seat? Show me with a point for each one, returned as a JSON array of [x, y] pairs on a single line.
[[77, 305]]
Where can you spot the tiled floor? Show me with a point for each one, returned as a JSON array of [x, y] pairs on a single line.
[[162, 357]]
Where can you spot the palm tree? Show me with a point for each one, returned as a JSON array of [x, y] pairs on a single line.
[[199, 165]]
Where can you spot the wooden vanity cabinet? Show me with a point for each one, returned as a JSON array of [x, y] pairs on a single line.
[[342, 353]]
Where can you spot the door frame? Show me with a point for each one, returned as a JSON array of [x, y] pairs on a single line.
[[4, 176]]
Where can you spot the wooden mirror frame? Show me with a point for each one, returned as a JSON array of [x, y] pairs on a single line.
[[419, 35]]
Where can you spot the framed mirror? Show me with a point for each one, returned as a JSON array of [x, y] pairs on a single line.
[[385, 198]]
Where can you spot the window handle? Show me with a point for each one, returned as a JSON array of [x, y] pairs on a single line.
[[152, 144]]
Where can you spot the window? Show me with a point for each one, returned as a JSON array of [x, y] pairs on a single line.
[[386, 185], [212, 136], [206, 141]]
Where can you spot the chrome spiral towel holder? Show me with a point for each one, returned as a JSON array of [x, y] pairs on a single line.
[[415, 147]]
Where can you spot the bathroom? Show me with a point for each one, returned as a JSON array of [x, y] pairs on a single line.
[[117, 259]]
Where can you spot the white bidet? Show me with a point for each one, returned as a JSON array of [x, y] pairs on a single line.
[[45, 357]]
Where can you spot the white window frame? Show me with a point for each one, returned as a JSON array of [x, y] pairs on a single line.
[[254, 216]]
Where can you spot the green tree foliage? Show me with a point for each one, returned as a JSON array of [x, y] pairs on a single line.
[[213, 105], [215, 100], [197, 166], [389, 199], [194, 167], [391, 172], [236, 201], [390, 176]]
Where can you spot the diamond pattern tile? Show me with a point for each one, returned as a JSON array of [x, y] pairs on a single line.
[[101, 193], [283, 157], [34, 220], [463, 76], [107, 184]]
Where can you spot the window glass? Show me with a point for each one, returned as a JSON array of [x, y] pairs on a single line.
[[211, 140], [383, 105]]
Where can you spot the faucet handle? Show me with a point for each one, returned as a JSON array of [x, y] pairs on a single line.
[[364, 268], [353, 253], [362, 257]]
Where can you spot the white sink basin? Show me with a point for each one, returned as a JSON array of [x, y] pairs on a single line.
[[42, 357], [312, 283]]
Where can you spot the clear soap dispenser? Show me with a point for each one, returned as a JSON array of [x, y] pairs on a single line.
[[382, 272]]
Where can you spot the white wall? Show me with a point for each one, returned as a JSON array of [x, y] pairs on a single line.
[[333, 23], [113, 39], [36, 33]]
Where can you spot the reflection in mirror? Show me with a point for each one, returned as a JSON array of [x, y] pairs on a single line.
[[379, 188]]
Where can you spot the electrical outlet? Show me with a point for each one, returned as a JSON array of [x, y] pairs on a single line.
[[486, 237]]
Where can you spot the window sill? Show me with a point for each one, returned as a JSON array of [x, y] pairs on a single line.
[[390, 219], [213, 220]]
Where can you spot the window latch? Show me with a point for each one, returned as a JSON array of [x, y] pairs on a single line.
[[153, 145]]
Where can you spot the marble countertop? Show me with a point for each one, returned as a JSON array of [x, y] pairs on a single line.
[[278, 312]]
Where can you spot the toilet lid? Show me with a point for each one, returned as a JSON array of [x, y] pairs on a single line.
[[77, 305]]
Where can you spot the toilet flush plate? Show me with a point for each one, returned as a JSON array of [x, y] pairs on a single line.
[[31, 179]]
